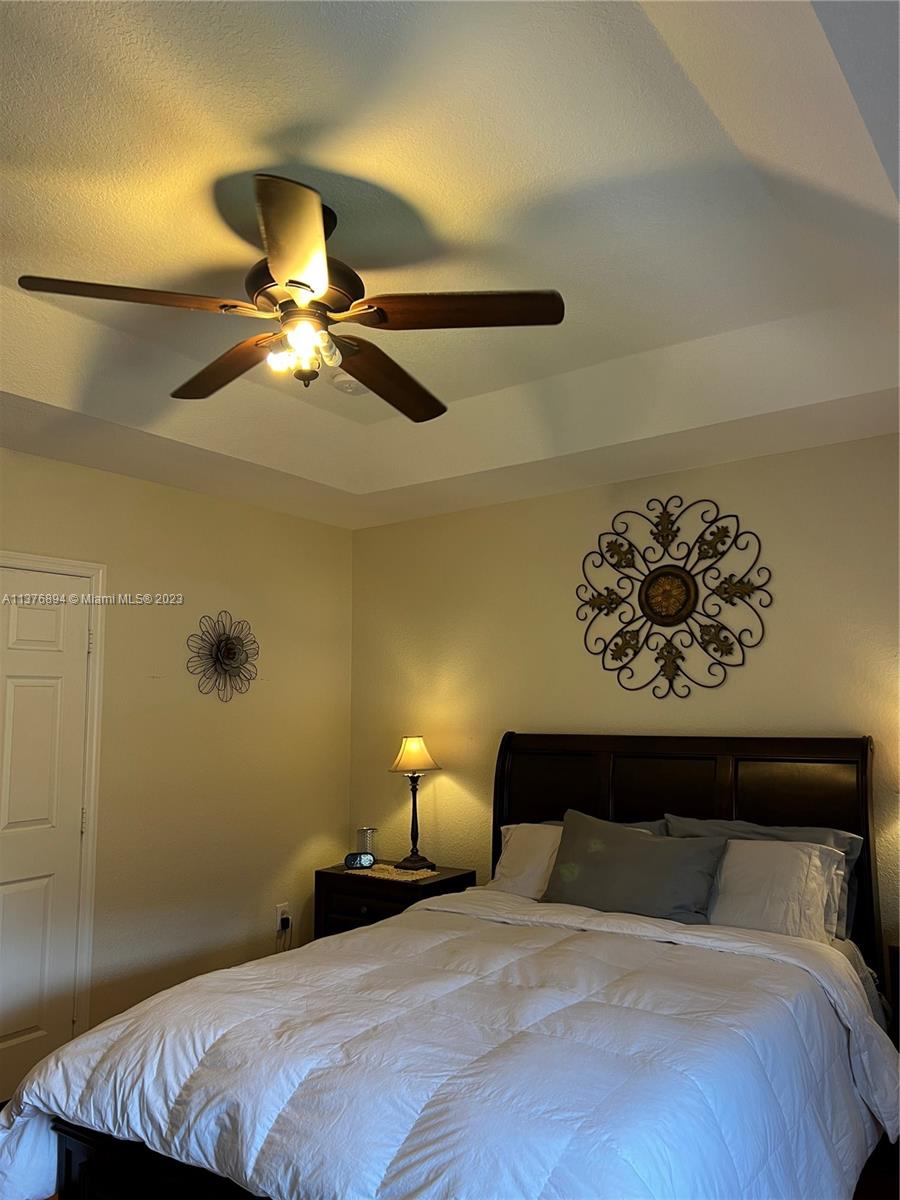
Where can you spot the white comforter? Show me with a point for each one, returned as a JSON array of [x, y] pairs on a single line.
[[485, 1047]]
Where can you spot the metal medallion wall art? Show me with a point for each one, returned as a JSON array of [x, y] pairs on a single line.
[[223, 654], [674, 597]]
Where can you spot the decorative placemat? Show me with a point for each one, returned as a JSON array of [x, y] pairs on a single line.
[[386, 871]]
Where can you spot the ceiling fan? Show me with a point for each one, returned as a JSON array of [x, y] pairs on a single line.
[[307, 292]]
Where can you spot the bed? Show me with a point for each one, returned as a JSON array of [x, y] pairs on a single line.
[[485, 1047]]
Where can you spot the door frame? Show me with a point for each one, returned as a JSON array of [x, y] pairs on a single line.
[[94, 576]]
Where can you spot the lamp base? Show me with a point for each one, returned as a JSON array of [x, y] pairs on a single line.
[[415, 862]]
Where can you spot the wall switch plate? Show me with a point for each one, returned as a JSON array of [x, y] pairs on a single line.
[[282, 910]]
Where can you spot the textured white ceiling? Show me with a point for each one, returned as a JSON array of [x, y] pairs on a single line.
[[696, 179]]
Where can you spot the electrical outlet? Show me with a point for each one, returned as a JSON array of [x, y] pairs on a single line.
[[282, 910]]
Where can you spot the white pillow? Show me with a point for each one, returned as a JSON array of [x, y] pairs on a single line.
[[527, 855], [779, 887]]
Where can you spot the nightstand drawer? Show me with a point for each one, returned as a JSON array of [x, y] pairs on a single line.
[[347, 899], [361, 909]]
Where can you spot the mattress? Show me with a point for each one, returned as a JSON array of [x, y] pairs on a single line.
[[486, 1047]]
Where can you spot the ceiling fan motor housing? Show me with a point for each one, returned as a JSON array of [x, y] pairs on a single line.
[[344, 287]]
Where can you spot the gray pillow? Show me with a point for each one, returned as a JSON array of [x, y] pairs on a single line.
[[659, 828], [849, 844], [610, 867]]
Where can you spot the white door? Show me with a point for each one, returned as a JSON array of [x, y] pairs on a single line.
[[43, 694]]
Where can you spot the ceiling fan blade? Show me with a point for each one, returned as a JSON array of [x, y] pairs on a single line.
[[456, 310], [227, 367], [378, 371], [107, 291], [292, 226]]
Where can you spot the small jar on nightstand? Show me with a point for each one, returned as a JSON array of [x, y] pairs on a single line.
[[347, 899]]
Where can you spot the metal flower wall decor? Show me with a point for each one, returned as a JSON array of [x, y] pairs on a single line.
[[673, 597], [223, 655]]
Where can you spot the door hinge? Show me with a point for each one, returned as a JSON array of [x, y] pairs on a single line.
[[90, 639], [83, 820]]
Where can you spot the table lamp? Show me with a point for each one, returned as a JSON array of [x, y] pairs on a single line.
[[413, 761]]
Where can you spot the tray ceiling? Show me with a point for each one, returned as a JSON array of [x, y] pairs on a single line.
[[698, 180]]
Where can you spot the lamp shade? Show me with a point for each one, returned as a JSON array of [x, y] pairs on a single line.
[[414, 758]]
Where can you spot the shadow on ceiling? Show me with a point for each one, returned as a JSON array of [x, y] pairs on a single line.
[[647, 261], [376, 228]]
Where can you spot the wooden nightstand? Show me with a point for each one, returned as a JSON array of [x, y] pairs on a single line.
[[347, 899]]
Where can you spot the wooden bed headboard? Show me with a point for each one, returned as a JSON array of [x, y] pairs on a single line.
[[769, 780]]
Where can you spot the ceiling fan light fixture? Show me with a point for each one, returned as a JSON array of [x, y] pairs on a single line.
[[303, 349], [306, 375], [305, 368], [280, 360], [303, 338], [331, 356], [308, 346]]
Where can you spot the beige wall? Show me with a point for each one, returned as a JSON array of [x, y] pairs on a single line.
[[464, 626], [210, 813]]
